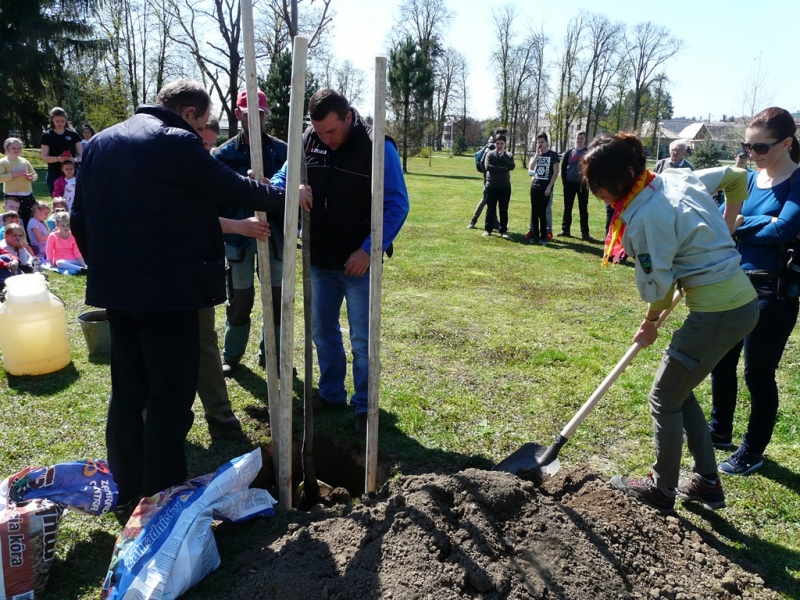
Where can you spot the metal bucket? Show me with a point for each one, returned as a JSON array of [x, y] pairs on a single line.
[[94, 324]]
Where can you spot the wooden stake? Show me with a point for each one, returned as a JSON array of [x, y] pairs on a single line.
[[375, 273], [293, 178], [264, 275]]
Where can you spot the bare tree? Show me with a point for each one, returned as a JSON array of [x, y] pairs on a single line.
[[165, 63], [502, 56], [604, 62], [324, 67], [463, 94], [218, 55], [619, 120], [446, 79], [757, 94], [424, 21], [138, 53], [350, 82], [275, 31], [649, 47], [569, 101], [527, 63], [219, 61]]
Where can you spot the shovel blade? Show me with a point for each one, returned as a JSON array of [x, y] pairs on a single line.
[[528, 458]]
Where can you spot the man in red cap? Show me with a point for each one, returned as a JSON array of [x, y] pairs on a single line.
[[240, 251]]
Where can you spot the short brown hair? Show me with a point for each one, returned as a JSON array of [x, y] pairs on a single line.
[[326, 101], [9, 214], [609, 162], [184, 93], [213, 124]]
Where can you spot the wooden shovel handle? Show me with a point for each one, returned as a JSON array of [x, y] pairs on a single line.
[[587, 407]]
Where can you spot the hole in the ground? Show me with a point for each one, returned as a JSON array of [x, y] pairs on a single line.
[[338, 463]]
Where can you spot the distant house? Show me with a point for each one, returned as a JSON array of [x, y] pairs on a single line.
[[666, 133], [730, 135]]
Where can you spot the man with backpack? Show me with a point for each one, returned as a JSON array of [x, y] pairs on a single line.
[[480, 157]]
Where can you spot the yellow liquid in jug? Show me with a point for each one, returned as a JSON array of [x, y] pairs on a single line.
[[33, 337]]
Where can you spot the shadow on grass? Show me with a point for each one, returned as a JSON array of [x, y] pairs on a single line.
[[44, 385], [781, 475], [82, 568], [593, 248], [99, 359], [255, 383], [772, 562], [477, 179]]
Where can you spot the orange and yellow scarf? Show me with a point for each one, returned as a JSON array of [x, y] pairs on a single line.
[[613, 248]]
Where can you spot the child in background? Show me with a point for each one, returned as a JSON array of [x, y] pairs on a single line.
[[37, 229], [8, 266], [11, 217], [59, 205], [14, 243], [64, 186], [62, 250], [17, 174], [10, 204]]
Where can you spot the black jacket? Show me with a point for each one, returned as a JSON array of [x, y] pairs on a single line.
[[145, 214], [342, 183]]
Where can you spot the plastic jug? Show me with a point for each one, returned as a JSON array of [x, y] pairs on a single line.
[[33, 328]]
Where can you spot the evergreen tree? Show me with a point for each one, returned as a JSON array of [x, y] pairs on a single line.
[[411, 87], [38, 37], [278, 87], [706, 154]]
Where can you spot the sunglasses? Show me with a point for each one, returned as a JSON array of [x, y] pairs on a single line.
[[759, 148]]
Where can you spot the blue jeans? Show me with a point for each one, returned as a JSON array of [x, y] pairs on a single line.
[[763, 349], [329, 288]]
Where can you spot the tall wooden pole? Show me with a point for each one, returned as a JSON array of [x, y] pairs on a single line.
[[375, 274], [264, 276], [293, 178]]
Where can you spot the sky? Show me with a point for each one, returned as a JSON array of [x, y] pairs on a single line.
[[722, 44]]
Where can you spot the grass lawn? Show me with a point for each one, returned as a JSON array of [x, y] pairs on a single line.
[[487, 344]]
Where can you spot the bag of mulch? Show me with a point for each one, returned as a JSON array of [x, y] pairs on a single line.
[[32, 503], [167, 545]]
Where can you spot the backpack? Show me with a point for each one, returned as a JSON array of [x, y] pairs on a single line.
[[479, 156]]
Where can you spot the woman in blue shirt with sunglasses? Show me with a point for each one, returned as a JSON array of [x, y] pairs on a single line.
[[771, 220]]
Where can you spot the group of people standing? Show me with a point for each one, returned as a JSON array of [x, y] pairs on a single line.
[[156, 315], [497, 163]]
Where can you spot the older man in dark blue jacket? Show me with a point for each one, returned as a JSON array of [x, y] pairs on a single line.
[[145, 219]]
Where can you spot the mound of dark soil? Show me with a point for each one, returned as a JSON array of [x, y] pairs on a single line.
[[479, 534]]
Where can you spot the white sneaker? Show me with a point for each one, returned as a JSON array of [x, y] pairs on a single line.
[[487, 233]]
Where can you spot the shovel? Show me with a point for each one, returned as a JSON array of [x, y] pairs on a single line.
[[535, 457]]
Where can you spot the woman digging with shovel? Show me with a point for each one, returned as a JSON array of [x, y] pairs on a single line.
[[672, 228]]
